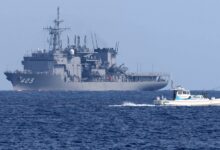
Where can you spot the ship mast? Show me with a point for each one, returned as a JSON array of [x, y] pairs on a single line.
[[55, 33]]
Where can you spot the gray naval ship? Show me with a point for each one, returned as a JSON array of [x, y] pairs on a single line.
[[79, 68]]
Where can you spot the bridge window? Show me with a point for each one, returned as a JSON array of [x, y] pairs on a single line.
[[179, 92]]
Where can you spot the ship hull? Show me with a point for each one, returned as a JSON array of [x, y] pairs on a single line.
[[45, 82]]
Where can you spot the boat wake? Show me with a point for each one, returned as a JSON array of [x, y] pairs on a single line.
[[131, 104]]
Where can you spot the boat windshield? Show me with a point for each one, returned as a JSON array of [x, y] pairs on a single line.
[[186, 92], [181, 94]]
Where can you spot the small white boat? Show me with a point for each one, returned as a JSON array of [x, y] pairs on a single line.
[[182, 97]]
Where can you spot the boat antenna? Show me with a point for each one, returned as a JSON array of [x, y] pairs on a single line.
[[92, 41], [55, 33], [75, 40], [96, 41], [172, 84], [85, 41], [68, 41], [78, 41], [116, 46]]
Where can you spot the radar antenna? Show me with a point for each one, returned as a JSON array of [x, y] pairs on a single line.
[[55, 33]]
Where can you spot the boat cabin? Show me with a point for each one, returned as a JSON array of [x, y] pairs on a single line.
[[181, 94]]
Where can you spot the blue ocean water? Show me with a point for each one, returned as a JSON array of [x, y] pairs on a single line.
[[104, 120]]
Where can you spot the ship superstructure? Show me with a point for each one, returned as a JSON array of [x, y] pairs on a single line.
[[79, 68]]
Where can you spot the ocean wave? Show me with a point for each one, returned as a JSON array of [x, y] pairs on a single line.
[[132, 104]]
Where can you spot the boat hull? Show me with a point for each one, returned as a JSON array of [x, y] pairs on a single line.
[[45, 82], [199, 102]]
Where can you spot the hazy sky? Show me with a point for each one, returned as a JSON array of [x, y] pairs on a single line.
[[181, 37]]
